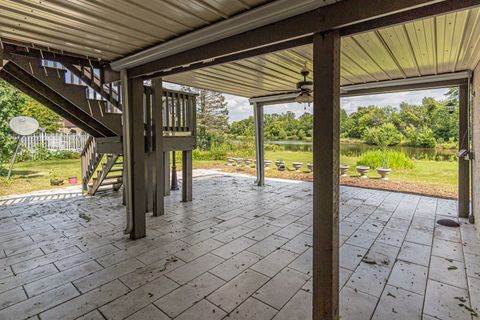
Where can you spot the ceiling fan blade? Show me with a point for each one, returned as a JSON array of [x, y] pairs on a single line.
[[285, 91]]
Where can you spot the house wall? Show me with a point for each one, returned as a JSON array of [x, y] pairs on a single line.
[[476, 148]]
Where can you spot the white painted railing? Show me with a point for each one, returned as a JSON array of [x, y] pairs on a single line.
[[55, 141]]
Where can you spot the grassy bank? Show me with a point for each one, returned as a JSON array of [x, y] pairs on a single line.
[[431, 177]]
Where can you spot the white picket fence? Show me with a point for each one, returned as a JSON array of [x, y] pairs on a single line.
[[55, 141]]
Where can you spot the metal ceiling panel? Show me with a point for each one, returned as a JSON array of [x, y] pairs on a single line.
[[110, 29], [438, 45]]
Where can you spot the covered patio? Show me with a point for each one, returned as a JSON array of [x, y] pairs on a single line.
[[235, 252], [284, 250]]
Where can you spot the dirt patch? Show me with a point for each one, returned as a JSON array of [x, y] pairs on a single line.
[[371, 183]]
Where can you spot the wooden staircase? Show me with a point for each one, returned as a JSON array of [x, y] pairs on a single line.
[[79, 94], [111, 174], [49, 84]]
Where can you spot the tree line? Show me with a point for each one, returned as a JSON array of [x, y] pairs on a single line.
[[424, 125]]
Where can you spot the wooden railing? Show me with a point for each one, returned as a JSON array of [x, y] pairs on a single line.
[[90, 161], [179, 111]]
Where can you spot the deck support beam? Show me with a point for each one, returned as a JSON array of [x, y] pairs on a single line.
[[166, 176], [463, 144], [326, 124], [259, 143], [187, 176], [134, 155], [158, 141]]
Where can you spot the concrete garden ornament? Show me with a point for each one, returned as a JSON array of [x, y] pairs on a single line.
[[362, 170], [343, 170], [297, 166]]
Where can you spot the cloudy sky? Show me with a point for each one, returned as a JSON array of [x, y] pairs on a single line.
[[239, 108]]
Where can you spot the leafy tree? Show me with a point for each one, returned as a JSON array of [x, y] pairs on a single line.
[[421, 137], [383, 136], [46, 118], [366, 117], [11, 101]]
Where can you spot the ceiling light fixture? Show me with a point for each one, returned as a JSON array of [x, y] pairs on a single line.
[[305, 87]]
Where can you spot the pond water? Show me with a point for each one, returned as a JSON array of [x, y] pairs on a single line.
[[356, 149]]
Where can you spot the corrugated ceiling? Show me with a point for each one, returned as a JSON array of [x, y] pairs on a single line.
[[443, 44], [110, 29]]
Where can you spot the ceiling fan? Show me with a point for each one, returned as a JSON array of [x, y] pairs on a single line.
[[305, 88]]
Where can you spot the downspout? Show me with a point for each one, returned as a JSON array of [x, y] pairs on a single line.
[[471, 95]]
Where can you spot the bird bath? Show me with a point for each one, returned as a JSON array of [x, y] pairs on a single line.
[[248, 162], [343, 170], [310, 167], [239, 161], [362, 170], [297, 166], [230, 162]]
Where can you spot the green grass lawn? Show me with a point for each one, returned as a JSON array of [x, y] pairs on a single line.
[[31, 176], [433, 173], [35, 175]]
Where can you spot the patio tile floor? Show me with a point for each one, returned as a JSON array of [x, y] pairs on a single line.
[[236, 252]]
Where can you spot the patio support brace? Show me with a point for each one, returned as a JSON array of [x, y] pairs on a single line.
[[463, 144], [159, 183], [134, 155], [259, 147], [326, 123]]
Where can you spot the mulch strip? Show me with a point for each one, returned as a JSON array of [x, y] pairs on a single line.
[[370, 183]]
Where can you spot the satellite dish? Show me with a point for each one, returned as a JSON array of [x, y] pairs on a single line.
[[23, 126]]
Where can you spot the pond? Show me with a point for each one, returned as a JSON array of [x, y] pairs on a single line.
[[356, 149]]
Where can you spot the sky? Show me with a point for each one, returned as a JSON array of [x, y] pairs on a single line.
[[239, 108]]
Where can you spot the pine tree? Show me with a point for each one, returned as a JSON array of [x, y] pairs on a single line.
[[212, 117]]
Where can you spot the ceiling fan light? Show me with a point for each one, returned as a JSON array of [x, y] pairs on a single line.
[[304, 97]]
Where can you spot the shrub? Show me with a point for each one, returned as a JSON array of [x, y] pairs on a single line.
[[273, 147], [421, 137], [383, 136], [387, 158], [42, 153], [241, 148]]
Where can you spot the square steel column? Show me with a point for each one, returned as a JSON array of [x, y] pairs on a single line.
[[326, 133], [259, 143], [134, 154], [159, 166], [463, 144]]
